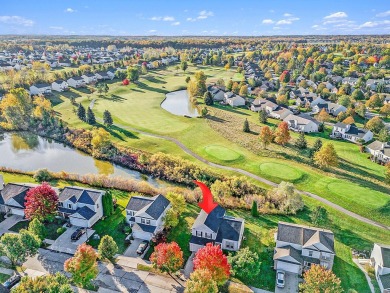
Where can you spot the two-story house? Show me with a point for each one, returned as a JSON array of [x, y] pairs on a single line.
[[76, 82], [82, 206], [213, 225], [12, 197], [40, 89], [351, 132], [380, 260], [89, 78], [146, 215], [298, 247], [59, 85], [302, 123], [380, 151]]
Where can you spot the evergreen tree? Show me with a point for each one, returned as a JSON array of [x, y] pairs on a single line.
[[208, 99], [317, 145], [263, 116], [91, 117], [301, 142], [246, 126], [108, 206], [254, 210], [81, 112], [107, 118]]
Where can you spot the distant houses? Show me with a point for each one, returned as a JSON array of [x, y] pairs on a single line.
[[76, 82], [40, 89], [379, 151], [59, 85]]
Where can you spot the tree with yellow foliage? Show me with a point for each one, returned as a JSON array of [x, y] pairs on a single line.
[[42, 105], [326, 156], [100, 138], [15, 109]]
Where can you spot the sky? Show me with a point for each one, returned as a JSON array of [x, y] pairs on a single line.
[[189, 17]]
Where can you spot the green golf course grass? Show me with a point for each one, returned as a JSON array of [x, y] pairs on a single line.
[[222, 153], [281, 171]]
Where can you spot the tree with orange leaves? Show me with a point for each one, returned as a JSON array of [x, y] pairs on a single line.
[[211, 258], [319, 279], [266, 136], [282, 134], [83, 266], [167, 257]]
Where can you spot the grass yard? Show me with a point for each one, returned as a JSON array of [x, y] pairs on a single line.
[[51, 228], [4, 277]]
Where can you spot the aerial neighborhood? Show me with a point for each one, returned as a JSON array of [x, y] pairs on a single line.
[[194, 163]]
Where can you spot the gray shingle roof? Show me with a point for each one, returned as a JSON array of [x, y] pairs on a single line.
[[385, 280], [385, 250], [158, 206], [146, 228], [16, 191], [215, 218], [78, 194], [137, 203], [229, 229], [85, 212], [297, 234]]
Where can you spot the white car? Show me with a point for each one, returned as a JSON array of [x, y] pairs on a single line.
[[280, 279]]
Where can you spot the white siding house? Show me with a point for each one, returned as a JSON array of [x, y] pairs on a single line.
[[146, 215], [351, 132], [302, 123], [82, 206], [59, 85], [380, 260], [40, 89], [76, 82]]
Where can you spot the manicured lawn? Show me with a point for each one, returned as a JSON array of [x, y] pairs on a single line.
[[281, 171], [51, 228], [222, 153], [4, 277]]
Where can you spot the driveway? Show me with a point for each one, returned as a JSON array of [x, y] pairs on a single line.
[[64, 244], [9, 223], [131, 251], [291, 282]]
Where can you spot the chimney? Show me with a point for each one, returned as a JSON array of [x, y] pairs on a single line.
[[1, 183]]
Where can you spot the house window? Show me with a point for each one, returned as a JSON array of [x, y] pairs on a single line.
[[199, 233], [325, 264], [142, 221], [310, 253], [229, 244], [97, 205], [207, 235], [69, 205], [61, 204], [147, 222]]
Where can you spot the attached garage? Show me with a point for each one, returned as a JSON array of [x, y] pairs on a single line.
[[144, 232]]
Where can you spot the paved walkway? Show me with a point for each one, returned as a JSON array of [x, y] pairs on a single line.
[[356, 261], [9, 223], [255, 177], [123, 277]]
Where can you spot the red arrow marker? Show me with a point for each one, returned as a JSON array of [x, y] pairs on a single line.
[[207, 204]]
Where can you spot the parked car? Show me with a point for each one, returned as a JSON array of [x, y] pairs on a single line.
[[142, 247], [77, 234], [280, 279], [12, 281]]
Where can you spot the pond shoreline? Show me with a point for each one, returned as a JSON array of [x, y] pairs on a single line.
[[179, 105]]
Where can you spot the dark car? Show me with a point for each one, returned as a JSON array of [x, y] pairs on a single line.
[[12, 281], [77, 234], [142, 247]]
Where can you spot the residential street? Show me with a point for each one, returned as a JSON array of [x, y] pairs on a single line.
[[124, 277]]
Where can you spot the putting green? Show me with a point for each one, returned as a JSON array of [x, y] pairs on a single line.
[[362, 195], [281, 171], [222, 153]]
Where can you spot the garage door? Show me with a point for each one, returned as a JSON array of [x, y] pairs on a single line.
[[78, 222], [142, 235], [288, 267], [19, 212]]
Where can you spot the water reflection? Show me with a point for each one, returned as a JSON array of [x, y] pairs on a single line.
[[29, 152], [179, 103]]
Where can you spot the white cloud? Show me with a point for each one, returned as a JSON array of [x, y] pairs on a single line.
[[204, 14], [267, 21], [176, 23], [336, 15], [152, 31], [287, 14], [70, 10], [59, 28], [276, 28], [18, 20], [162, 18], [287, 21], [383, 14], [370, 24]]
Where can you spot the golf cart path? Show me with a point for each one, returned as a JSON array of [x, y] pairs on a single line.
[[256, 177]]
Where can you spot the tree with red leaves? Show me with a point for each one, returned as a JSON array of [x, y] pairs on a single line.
[[285, 76], [211, 258], [167, 257], [41, 203], [125, 82], [83, 266], [282, 134]]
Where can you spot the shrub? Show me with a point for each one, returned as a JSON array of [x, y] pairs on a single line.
[[42, 175], [61, 230]]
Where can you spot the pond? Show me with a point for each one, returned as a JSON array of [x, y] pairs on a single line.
[[179, 103], [29, 152]]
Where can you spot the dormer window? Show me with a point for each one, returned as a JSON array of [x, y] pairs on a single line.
[[69, 205]]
